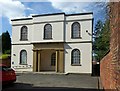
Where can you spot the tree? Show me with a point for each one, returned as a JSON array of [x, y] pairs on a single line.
[[102, 38], [5, 42], [0, 45]]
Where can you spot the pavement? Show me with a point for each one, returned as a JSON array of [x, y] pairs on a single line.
[[36, 81]]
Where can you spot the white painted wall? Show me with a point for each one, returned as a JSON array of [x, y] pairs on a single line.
[[21, 45], [16, 32], [59, 29], [79, 17], [16, 50], [49, 18], [23, 22], [57, 32], [85, 48], [86, 58], [85, 25]]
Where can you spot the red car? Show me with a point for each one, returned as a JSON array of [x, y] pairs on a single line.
[[7, 75]]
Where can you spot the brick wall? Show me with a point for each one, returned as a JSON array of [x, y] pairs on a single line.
[[110, 64]]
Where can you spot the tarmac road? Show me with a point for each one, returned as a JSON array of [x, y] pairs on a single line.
[[53, 82]]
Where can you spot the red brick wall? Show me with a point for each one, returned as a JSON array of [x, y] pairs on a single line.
[[106, 72], [110, 64]]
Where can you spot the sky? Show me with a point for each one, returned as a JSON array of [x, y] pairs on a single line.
[[14, 9]]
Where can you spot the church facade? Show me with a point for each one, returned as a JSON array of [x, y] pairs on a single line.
[[56, 42]]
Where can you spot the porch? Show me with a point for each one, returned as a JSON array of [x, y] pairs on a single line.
[[48, 57]]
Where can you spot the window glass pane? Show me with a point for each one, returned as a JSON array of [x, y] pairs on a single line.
[[23, 55], [75, 56], [53, 59], [24, 33], [75, 30], [48, 31]]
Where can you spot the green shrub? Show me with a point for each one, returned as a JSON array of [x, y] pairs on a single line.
[[8, 52], [4, 56]]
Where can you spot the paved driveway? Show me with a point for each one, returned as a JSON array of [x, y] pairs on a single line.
[[32, 81]]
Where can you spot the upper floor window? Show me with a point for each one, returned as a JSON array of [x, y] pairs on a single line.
[[75, 32], [23, 57], [24, 33], [48, 31], [75, 57], [53, 59]]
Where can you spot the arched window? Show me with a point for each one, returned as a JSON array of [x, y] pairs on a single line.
[[75, 57], [24, 32], [48, 31], [23, 57], [75, 32], [53, 59]]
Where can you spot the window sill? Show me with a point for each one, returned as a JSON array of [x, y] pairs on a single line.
[[76, 38], [22, 64], [76, 65], [23, 39], [47, 38]]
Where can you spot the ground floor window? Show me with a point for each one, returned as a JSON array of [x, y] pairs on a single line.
[[23, 57], [75, 57], [53, 59]]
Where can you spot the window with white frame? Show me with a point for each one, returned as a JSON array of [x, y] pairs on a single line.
[[24, 33], [48, 31], [75, 57], [75, 31], [23, 57]]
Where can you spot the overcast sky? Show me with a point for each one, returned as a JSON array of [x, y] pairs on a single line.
[[18, 9]]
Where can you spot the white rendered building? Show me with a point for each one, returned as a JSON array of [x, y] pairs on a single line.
[[53, 42]]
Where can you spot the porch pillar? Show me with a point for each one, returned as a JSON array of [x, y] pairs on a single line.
[[34, 61], [39, 60], [61, 61], [57, 59]]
